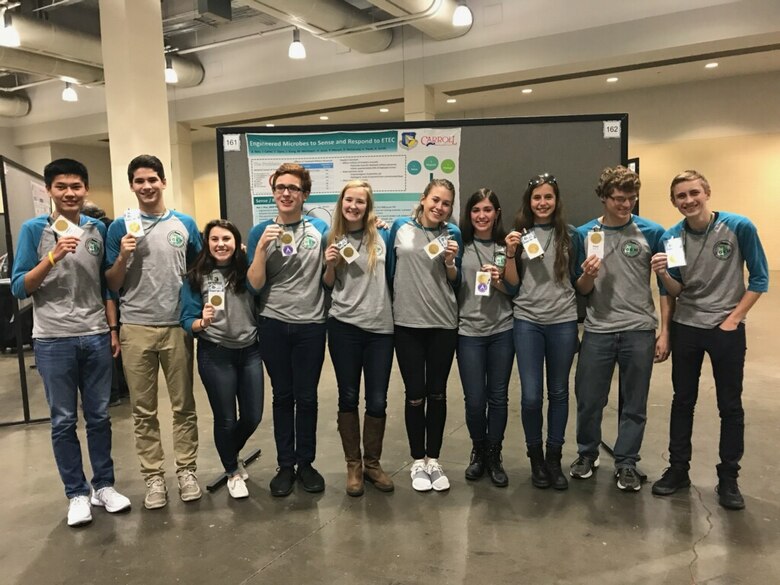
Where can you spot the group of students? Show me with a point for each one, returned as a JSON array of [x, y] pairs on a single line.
[[424, 289]]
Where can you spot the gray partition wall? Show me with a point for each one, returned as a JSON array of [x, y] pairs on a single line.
[[501, 154]]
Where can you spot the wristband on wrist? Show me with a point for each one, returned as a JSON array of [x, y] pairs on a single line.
[[113, 327], [52, 261], [450, 265], [511, 257]]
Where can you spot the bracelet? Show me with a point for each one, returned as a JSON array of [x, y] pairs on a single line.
[[511, 257], [52, 261], [113, 327], [202, 325], [449, 265]]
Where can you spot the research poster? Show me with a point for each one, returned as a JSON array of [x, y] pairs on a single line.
[[397, 163]]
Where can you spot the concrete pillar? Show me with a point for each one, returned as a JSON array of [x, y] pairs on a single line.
[[136, 95], [419, 103], [181, 190]]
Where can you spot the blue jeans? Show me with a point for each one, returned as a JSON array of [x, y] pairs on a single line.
[[536, 346], [355, 351], [69, 365], [231, 375], [293, 354], [485, 364], [633, 351]]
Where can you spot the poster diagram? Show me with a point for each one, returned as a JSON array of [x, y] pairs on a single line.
[[397, 163]]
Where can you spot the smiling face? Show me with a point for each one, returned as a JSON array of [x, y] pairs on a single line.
[[68, 193], [222, 245], [288, 194], [436, 206], [618, 207], [148, 188], [691, 199], [543, 203], [483, 218], [353, 207]]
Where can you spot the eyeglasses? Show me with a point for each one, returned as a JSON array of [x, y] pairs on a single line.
[[279, 189], [542, 179], [622, 200]]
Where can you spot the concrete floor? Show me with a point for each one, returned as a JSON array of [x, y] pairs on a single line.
[[475, 533]]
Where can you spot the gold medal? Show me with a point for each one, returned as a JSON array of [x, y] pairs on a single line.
[[433, 248], [287, 238], [216, 300], [595, 237], [61, 225]]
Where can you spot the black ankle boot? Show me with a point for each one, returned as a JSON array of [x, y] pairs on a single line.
[[553, 461], [540, 477], [476, 468], [495, 468]]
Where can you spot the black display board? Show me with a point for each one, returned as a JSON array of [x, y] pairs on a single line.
[[501, 154]]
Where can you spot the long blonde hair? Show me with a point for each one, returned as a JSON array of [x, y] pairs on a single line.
[[339, 228]]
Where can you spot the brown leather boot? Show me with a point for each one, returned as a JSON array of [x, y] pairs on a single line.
[[373, 435], [349, 429]]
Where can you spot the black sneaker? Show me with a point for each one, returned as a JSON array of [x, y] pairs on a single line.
[[673, 479], [729, 495], [311, 479], [628, 479], [283, 482], [583, 467]]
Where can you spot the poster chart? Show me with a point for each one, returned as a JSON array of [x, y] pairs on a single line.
[[397, 163]]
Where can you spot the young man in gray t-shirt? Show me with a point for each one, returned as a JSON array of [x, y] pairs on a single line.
[[147, 271], [709, 317]]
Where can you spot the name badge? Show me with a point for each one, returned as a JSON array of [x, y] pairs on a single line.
[[63, 227], [533, 248], [133, 223], [287, 244], [482, 284], [347, 250], [675, 253], [596, 244], [435, 248]]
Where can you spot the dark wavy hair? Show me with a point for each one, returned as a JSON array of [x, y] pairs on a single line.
[[467, 228], [564, 259], [235, 278]]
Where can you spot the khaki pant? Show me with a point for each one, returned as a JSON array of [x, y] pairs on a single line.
[[144, 349]]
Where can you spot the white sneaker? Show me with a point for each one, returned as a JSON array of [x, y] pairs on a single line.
[[439, 481], [421, 481], [79, 511], [110, 499], [242, 470], [237, 487]]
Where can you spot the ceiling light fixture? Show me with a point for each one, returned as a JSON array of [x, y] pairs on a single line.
[[528, 90], [69, 93], [297, 50], [452, 101], [612, 79], [324, 118], [462, 15], [170, 73], [270, 125], [9, 36], [712, 65], [384, 110]]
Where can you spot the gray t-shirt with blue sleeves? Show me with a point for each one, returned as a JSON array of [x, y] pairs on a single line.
[[541, 298], [713, 279], [156, 269], [234, 326], [293, 290], [621, 299], [361, 297], [480, 316], [69, 301], [422, 295]]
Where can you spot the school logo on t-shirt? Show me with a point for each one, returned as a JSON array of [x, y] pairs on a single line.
[[309, 242], [176, 239], [379, 251], [631, 248], [93, 246], [723, 249]]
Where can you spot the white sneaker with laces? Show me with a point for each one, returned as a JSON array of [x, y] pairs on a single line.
[[421, 481], [110, 499], [439, 481], [79, 511], [237, 487], [242, 470]]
